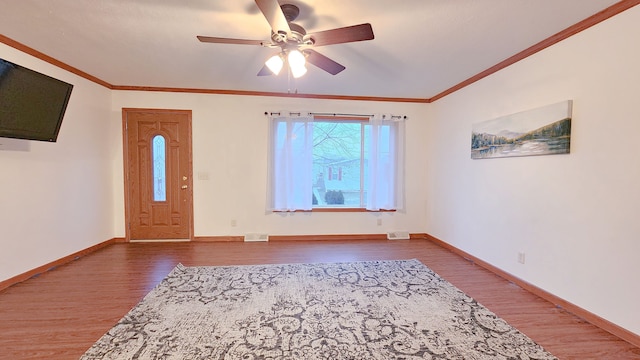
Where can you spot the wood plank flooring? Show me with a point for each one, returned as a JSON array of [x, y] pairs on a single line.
[[61, 313]]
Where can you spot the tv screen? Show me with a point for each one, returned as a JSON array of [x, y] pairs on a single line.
[[32, 104]]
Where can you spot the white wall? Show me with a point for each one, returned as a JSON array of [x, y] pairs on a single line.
[[56, 198], [575, 216], [230, 145]]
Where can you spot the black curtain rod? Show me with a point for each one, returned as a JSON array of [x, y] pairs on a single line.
[[337, 114]]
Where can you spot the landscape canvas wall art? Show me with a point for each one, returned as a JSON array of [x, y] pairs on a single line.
[[542, 131]]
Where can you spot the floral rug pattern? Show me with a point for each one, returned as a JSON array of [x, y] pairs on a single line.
[[361, 310]]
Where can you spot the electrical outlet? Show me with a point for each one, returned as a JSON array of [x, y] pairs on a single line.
[[234, 223], [379, 222], [521, 257]]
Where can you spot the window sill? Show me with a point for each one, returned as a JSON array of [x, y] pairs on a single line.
[[337, 209], [328, 209]]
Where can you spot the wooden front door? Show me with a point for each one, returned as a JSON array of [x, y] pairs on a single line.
[[158, 174]]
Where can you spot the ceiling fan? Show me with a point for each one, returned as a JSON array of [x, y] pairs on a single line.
[[294, 42]]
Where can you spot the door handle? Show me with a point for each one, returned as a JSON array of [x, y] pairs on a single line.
[[184, 186]]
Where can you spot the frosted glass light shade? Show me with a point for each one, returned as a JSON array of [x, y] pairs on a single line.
[[296, 58], [275, 64], [298, 71], [296, 63]]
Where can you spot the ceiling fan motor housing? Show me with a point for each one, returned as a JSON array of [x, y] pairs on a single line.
[[298, 33], [290, 11]]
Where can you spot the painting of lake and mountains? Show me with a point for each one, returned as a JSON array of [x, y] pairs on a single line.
[[542, 131]]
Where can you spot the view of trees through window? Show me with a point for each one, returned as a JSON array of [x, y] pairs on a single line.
[[339, 163]]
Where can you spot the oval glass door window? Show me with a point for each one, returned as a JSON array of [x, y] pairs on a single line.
[[159, 169]]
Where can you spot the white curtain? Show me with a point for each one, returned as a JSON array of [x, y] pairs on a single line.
[[385, 148], [290, 162]]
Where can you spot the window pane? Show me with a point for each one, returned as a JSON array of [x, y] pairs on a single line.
[[159, 169], [338, 164]]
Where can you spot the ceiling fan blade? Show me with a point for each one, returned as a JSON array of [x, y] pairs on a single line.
[[343, 35], [323, 62], [265, 71], [219, 40], [274, 15]]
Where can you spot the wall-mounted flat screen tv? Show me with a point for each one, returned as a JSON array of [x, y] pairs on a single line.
[[32, 104]]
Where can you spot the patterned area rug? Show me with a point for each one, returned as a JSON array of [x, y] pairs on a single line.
[[361, 310]]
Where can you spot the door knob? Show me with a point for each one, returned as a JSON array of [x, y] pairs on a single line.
[[184, 186], [184, 178]]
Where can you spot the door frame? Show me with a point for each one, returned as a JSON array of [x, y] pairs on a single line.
[[125, 155]]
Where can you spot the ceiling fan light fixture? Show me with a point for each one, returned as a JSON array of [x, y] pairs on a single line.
[[296, 58], [297, 63], [298, 71], [275, 63]]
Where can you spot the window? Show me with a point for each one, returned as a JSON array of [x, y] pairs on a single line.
[[339, 163], [335, 162], [335, 173], [158, 155]]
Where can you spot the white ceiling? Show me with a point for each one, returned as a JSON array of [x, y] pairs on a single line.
[[421, 47]]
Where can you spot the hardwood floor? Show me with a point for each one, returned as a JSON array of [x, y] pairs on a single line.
[[61, 313]]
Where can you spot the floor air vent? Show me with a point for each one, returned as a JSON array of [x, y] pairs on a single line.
[[398, 235], [253, 237]]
